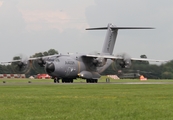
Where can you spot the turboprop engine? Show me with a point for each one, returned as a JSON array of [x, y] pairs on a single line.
[[125, 62], [22, 65], [41, 62], [99, 62]]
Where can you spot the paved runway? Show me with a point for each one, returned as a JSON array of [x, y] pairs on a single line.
[[141, 83], [52, 83], [137, 83]]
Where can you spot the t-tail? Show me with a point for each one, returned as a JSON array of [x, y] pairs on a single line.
[[111, 36]]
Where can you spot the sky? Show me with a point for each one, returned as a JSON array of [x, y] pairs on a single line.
[[31, 26]]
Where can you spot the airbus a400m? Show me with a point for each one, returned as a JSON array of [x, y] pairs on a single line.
[[87, 66]]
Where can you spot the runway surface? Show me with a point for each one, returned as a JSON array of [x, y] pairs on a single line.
[[52, 83], [142, 83]]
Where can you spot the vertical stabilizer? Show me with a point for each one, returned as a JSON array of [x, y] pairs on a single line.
[[110, 40], [111, 35]]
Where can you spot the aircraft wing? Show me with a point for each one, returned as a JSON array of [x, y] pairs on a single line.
[[11, 61], [121, 58], [145, 59], [103, 56], [44, 57], [32, 59]]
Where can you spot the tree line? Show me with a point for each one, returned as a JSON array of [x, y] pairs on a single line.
[[151, 71]]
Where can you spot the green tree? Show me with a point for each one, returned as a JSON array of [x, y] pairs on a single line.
[[52, 52], [45, 53]]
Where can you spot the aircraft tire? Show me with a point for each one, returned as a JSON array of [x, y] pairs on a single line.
[[68, 80], [71, 80], [57, 80], [92, 80], [63, 80], [96, 81], [54, 80]]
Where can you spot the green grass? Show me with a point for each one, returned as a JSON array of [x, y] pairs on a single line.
[[43, 100]]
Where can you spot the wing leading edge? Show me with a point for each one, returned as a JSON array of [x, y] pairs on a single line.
[[121, 58], [32, 59]]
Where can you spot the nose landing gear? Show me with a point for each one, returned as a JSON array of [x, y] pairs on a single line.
[[56, 80]]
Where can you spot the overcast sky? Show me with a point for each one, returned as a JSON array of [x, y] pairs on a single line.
[[31, 26]]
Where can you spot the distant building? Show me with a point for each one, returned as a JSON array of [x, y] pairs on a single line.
[[12, 76]]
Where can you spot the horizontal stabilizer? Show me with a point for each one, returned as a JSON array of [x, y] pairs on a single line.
[[113, 28]]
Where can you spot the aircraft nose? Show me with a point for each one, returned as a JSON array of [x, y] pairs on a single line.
[[50, 68]]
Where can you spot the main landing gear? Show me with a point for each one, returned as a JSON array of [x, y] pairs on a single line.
[[91, 80], [67, 80], [64, 80]]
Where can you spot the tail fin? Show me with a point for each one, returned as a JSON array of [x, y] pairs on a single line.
[[111, 35]]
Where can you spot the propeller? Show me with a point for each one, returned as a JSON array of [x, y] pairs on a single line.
[[41, 62], [36, 64], [99, 62], [126, 60], [22, 66]]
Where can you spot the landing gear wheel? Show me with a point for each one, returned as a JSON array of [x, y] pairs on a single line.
[[67, 80], [71, 80], [54, 80], [91, 80], [63, 80]]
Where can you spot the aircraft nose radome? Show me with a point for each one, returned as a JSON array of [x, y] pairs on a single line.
[[50, 68]]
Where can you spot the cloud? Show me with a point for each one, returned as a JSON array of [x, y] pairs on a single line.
[[45, 20], [136, 13], [54, 14], [29, 26], [11, 21], [1, 2], [35, 26]]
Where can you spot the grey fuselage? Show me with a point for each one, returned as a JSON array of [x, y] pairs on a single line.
[[69, 66]]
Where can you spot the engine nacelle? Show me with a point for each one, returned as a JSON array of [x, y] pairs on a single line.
[[99, 62], [125, 63], [41, 62]]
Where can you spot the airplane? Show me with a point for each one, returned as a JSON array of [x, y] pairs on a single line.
[[68, 67]]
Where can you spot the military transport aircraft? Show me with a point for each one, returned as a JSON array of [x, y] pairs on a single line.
[[87, 66]]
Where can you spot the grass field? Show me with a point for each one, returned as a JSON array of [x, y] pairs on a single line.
[[44, 100]]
